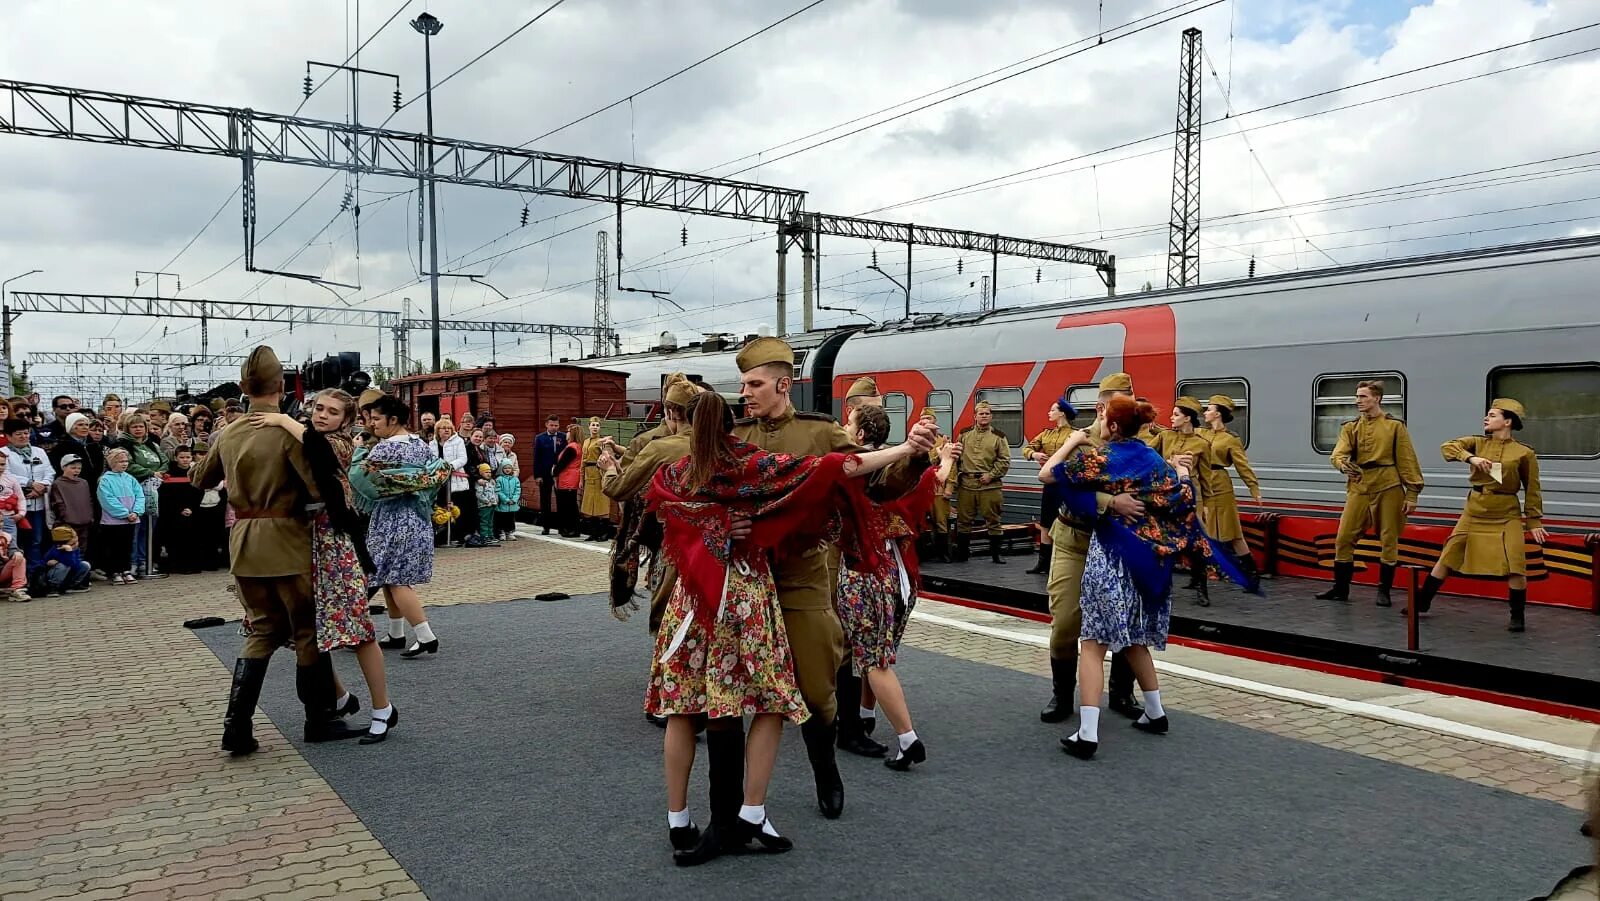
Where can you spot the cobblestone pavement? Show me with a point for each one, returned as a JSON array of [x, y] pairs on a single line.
[[1525, 773], [113, 786]]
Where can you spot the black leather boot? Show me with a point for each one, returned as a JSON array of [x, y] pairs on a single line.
[[1064, 688], [851, 731], [994, 549], [1121, 687], [1385, 583], [963, 547], [1042, 567], [314, 686], [941, 546], [1519, 603], [819, 738], [725, 776], [1430, 587], [238, 737], [1341, 583], [1252, 575], [1202, 588]]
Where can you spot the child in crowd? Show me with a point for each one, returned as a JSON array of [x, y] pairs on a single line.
[[508, 498], [13, 511], [64, 570], [487, 498], [72, 500], [121, 507], [14, 574], [180, 499]]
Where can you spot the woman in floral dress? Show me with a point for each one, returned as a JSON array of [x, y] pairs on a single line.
[[722, 652], [1127, 577], [339, 561], [874, 603], [398, 480]]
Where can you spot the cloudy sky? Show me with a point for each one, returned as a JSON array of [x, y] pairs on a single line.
[[1340, 177]]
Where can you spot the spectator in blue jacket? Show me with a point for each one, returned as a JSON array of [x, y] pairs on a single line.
[[64, 570], [121, 510], [546, 448]]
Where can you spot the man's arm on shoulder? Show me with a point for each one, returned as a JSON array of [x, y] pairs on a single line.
[[208, 472], [296, 453]]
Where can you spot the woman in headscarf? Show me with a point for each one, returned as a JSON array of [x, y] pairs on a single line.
[[594, 507], [1127, 577], [722, 652], [1040, 449]]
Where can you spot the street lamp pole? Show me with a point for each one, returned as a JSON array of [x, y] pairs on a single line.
[[5, 320], [428, 26]]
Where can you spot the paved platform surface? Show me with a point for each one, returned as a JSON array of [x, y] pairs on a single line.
[[539, 775], [1560, 640]]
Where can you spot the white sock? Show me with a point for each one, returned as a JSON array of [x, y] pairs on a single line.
[[343, 700], [397, 628], [907, 738], [1152, 706], [380, 716], [868, 713], [677, 819], [1088, 724], [423, 633], [753, 813]]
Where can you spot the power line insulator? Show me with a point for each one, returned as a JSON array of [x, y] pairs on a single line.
[[308, 86], [960, 265], [397, 100], [683, 236], [1252, 268], [874, 257], [524, 215], [1037, 275]]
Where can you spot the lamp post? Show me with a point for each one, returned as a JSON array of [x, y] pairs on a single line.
[[428, 26], [5, 320]]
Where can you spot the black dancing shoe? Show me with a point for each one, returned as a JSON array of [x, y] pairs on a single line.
[[350, 706], [868, 723], [903, 760], [1157, 726], [1077, 747], [1127, 706], [714, 841], [660, 722], [388, 643], [394, 720], [747, 832], [683, 838], [859, 744], [420, 648], [318, 731]]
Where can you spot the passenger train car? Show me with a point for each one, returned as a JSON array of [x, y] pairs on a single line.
[[1446, 333]]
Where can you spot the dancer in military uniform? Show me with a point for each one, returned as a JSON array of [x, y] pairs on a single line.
[[863, 391], [1040, 449], [1221, 511], [594, 507], [985, 457], [804, 591], [269, 485], [1374, 451], [1069, 551], [1488, 538], [1184, 437]]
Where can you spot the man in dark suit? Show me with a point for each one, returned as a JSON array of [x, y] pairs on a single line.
[[546, 448]]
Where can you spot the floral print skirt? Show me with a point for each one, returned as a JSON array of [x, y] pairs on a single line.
[[1113, 612], [339, 589], [741, 667], [874, 620]]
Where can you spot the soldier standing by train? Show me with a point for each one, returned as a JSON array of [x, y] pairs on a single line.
[[1488, 538], [1041, 448], [1184, 437], [1385, 480], [985, 457], [1221, 507]]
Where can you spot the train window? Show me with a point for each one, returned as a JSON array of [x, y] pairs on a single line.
[[1336, 403], [1238, 389], [943, 404], [1007, 406], [1083, 398], [894, 403], [1563, 405]]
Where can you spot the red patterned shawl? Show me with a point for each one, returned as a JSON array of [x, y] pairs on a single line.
[[900, 520], [794, 503]]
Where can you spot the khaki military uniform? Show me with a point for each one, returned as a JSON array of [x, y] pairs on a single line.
[[984, 451], [633, 481], [1220, 508], [269, 486], [805, 586], [1488, 538], [944, 493], [1048, 442], [1170, 443], [1069, 542], [1389, 476]]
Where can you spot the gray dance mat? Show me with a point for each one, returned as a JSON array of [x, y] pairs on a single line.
[[524, 768]]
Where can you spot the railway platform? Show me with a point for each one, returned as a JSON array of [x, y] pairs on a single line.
[[524, 769]]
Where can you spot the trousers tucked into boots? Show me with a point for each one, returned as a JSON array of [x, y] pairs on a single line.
[[1519, 603], [313, 684], [1341, 583], [1042, 566], [851, 732], [994, 549], [725, 774], [238, 736], [1385, 583], [1064, 688], [819, 738]]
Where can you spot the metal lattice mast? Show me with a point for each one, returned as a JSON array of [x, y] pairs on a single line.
[[602, 289], [1183, 241]]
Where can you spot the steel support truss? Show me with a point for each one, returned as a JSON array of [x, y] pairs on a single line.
[[178, 361]]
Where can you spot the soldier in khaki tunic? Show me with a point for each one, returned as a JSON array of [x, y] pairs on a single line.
[[1488, 538], [985, 457], [804, 591], [640, 441], [1220, 512], [269, 485], [1184, 437], [1069, 552], [1040, 449], [942, 496], [863, 391], [1385, 479]]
